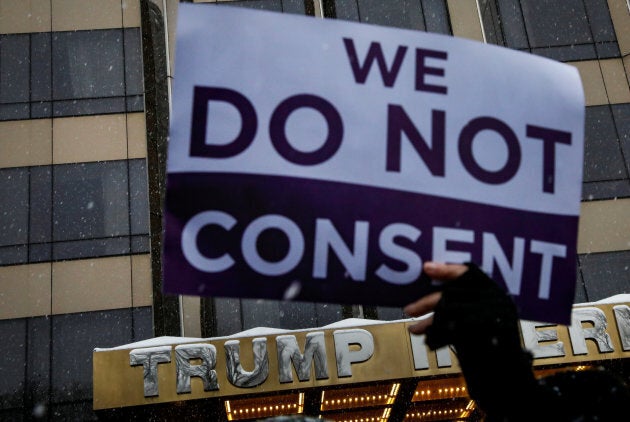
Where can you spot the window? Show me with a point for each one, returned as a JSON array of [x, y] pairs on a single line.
[[70, 73], [14, 209], [286, 6], [604, 274], [564, 30], [73, 211], [606, 152], [425, 15]]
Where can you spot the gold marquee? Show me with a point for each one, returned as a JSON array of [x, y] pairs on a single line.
[[361, 370]]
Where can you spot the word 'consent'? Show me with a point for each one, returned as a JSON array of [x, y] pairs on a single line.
[[242, 240]]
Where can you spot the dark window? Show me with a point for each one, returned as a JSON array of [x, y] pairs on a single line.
[[283, 314], [90, 200], [424, 15], [73, 211], [621, 116], [13, 362], [74, 337], [41, 372], [272, 5], [40, 219], [14, 68], [87, 64], [41, 61], [133, 62], [299, 7], [564, 30], [14, 206], [606, 165], [70, 73], [490, 19], [605, 274], [139, 193]]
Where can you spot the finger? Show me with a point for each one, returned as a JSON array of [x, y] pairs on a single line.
[[421, 326], [424, 305], [443, 272]]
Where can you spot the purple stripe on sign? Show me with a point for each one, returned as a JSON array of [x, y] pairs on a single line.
[[274, 237]]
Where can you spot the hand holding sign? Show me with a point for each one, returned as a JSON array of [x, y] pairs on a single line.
[[415, 159]]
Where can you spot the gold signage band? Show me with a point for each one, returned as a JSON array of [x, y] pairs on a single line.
[[149, 372]]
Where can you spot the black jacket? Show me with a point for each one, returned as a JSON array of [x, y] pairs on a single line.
[[480, 321]]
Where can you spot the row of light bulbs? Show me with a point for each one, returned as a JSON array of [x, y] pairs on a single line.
[[431, 413], [355, 400], [267, 408], [363, 399], [451, 390]]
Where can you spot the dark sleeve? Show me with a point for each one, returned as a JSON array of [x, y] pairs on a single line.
[[480, 321]]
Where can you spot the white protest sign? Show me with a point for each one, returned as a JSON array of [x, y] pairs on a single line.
[[321, 160]]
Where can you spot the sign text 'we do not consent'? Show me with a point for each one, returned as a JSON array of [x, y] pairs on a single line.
[[318, 160]]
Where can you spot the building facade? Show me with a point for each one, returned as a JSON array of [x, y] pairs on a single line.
[[84, 106]]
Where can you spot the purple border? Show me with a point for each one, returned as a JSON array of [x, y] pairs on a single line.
[[247, 197]]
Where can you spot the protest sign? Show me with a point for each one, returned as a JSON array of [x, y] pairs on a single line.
[[320, 160]]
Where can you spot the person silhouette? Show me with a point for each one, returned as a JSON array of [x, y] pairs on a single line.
[[474, 315]]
